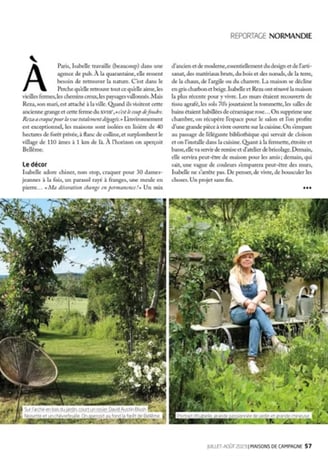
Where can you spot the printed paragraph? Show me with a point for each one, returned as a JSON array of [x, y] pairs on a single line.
[[38, 176], [229, 121], [96, 104]]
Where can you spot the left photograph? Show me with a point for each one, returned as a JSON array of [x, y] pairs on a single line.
[[83, 311]]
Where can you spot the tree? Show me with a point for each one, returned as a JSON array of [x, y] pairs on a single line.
[[31, 253], [228, 211], [283, 242], [98, 282], [318, 221], [277, 228], [159, 284], [318, 214], [128, 231], [69, 287]]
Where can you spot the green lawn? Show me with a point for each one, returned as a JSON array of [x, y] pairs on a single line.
[[72, 304], [86, 369]]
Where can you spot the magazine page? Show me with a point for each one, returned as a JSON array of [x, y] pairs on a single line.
[[163, 240]]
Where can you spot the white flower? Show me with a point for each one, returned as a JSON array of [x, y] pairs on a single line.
[[137, 371]]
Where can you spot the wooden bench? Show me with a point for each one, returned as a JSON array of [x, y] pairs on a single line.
[[226, 333]]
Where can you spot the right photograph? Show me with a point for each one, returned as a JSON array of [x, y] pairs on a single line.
[[248, 311]]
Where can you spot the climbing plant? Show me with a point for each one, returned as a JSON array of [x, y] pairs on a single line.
[[128, 232], [31, 253]]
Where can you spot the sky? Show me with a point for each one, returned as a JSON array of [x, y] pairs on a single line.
[[78, 257]]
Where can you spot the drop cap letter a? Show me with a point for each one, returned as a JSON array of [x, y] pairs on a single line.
[[35, 70]]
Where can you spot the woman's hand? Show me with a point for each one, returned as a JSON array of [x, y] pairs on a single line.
[[251, 307], [266, 308]]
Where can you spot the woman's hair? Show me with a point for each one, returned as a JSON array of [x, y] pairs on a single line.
[[238, 272]]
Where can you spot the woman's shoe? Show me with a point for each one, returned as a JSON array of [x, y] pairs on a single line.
[[280, 348], [252, 366]]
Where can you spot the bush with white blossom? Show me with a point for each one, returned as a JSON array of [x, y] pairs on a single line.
[[143, 373]]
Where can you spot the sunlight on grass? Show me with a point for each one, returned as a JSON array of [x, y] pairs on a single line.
[[86, 368], [73, 304]]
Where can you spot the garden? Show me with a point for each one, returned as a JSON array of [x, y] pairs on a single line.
[[105, 328], [292, 239]]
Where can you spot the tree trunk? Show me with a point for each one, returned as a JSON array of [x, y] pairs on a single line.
[[161, 263], [144, 288]]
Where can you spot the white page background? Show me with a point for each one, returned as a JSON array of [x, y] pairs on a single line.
[[166, 32]]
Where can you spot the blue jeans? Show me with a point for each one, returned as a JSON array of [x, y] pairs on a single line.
[[257, 321]]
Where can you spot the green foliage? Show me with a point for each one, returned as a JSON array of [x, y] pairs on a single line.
[[98, 282], [318, 214], [58, 319], [194, 390], [283, 242], [187, 233], [131, 234], [277, 228], [143, 372], [3, 324], [317, 261], [308, 351], [69, 323], [106, 329], [76, 325], [201, 236], [293, 382], [149, 330], [31, 253], [184, 342], [228, 211], [86, 367], [71, 285], [98, 278], [99, 305], [230, 391]]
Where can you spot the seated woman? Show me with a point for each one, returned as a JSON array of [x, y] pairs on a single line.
[[248, 290]]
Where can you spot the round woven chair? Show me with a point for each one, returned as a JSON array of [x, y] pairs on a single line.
[[26, 365]]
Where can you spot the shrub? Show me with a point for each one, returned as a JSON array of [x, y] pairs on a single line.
[[105, 329], [307, 352], [146, 330], [76, 325], [57, 319], [70, 323], [293, 382], [143, 373], [99, 306]]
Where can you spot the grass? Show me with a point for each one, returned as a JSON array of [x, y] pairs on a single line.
[[73, 304], [263, 361], [86, 368]]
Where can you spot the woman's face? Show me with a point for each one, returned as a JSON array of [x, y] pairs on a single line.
[[246, 260]]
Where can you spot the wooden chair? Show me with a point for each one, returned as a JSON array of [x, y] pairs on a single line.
[[26, 365]]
